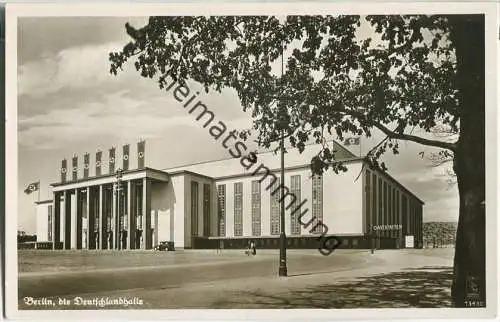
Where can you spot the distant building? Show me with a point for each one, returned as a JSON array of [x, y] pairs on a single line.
[[206, 204]]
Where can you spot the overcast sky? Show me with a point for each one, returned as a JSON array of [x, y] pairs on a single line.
[[68, 103]]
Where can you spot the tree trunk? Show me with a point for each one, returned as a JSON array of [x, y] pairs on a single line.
[[469, 280]]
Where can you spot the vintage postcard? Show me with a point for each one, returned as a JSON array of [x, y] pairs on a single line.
[[181, 161]]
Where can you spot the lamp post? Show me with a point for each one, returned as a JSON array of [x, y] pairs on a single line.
[[372, 235], [118, 189], [282, 269], [283, 122]]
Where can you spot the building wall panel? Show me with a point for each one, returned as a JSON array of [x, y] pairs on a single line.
[[42, 222], [343, 201], [162, 207]]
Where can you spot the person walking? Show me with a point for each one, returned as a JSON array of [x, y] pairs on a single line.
[[253, 248]]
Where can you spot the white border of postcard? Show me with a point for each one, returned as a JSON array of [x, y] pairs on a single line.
[[13, 11]]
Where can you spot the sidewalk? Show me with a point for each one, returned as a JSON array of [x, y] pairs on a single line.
[[386, 279]]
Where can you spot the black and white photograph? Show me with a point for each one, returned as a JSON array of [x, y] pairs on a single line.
[[252, 157]]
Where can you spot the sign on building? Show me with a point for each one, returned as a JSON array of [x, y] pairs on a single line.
[[409, 242]]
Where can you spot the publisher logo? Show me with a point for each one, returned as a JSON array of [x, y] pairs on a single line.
[[473, 298]]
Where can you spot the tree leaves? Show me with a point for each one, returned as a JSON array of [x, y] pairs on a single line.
[[333, 81]]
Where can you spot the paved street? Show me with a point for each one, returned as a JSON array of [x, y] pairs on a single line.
[[204, 279]]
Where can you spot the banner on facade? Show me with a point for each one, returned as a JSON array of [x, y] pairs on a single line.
[[141, 154], [98, 163], [112, 160], [86, 165], [126, 150], [74, 165], [64, 170]]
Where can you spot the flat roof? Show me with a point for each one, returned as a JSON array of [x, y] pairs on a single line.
[[43, 201], [350, 160], [107, 175], [177, 172], [391, 178], [294, 167]]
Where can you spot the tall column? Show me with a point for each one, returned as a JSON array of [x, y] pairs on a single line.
[[90, 221], [79, 218], [101, 219], [67, 219], [146, 218], [131, 215], [155, 239], [113, 219], [56, 226]]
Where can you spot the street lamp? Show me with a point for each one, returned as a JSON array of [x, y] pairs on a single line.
[[282, 268], [283, 122]]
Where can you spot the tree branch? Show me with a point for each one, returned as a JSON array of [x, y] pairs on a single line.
[[396, 135]]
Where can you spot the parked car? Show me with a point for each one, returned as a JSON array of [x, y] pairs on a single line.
[[161, 246], [164, 246]]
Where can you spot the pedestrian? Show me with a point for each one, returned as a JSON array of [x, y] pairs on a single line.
[[253, 248]]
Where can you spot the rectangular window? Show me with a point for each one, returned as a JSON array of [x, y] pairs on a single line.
[[256, 208], [275, 208], [109, 208], [385, 209], [194, 208], [221, 207], [121, 208], [238, 209], [413, 218], [389, 208], [398, 210], [317, 203], [393, 205], [138, 209], [404, 204], [374, 201], [49, 232], [96, 211], [206, 209], [294, 218], [410, 205], [368, 213], [379, 207]]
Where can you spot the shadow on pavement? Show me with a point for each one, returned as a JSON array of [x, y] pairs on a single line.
[[426, 287]]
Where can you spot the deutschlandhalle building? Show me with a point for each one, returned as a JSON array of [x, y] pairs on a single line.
[[105, 204]]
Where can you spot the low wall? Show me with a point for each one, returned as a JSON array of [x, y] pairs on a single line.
[[293, 242], [39, 245]]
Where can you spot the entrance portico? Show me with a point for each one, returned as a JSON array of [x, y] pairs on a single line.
[[106, 212]]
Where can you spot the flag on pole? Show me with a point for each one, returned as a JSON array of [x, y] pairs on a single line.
[[141, 150], [98, 163], [111, 160], [86, 165], [64, 170], [126, 149], [32, 187], [74, 163], [352, 141]]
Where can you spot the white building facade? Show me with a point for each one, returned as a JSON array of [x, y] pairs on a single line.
[[225, 204]]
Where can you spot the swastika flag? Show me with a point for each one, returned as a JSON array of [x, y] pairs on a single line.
[[351, 141], [32, 187]]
